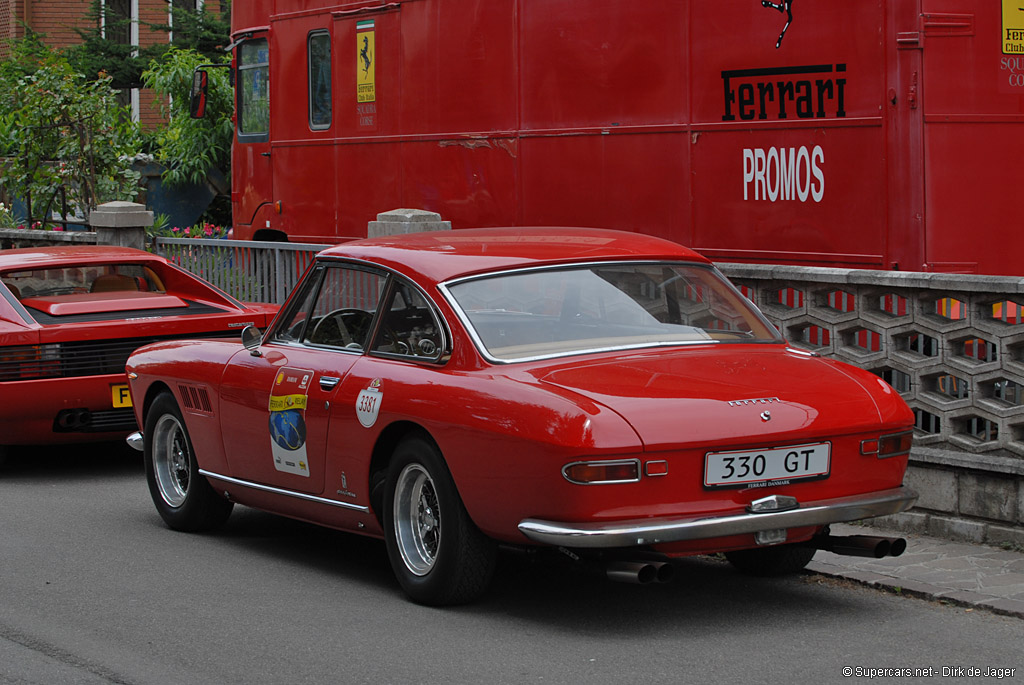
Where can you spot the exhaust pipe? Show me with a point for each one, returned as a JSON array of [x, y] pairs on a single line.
[[862, 545], [640, 572], [72, 420]]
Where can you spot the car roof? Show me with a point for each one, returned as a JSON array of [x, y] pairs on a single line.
[[35, 257], [441, 256]]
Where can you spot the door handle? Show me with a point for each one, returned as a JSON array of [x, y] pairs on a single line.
[[264, 154], [328, 383]]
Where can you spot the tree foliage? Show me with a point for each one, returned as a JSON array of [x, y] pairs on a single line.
[[188, 147], [105, 49], [61, 133]]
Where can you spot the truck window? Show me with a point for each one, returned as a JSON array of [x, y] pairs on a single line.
[[319, 51], [254, 90]]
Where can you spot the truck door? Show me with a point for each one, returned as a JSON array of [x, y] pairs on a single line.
[[253, 180]]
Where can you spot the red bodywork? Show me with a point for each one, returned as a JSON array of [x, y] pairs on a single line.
[[507, 430], [871, 134], [62, 355]]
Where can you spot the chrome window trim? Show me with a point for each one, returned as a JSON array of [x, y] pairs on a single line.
[[287, 493], [482, 349]]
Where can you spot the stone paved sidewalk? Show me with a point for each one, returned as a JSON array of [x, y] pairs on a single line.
[[962, 573]]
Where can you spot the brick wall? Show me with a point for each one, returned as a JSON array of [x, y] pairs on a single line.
[[57, 20]]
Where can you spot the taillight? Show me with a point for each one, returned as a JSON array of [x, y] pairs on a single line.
[[892, 445], [602, 472], [895, 445], [22, 362]]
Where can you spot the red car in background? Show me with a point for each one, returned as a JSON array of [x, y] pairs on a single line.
[[607, 394], [69, 318]]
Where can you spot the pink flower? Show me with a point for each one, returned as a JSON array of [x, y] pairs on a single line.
[[21, 227], [58, 228], [187, 232], [208, 231], [175, 229]]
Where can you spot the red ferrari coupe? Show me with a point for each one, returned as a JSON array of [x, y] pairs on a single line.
[[69, 318], [604, 394]]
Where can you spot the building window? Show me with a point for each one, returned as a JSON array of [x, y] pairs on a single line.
[[319, 51], [254, 90]]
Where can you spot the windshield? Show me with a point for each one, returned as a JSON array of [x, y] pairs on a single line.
[[534, 314]]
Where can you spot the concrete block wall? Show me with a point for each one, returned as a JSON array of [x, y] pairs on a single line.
[[953, 345]]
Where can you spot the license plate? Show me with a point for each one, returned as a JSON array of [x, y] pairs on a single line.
[[775, 466], [119, 396]]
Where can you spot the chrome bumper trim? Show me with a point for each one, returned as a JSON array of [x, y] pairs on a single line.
[[280, 491], [653, 531], [136, 441]]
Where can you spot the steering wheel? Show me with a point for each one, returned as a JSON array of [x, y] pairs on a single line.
[[344, 326]]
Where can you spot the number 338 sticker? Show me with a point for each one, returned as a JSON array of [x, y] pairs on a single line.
[[368, 403]]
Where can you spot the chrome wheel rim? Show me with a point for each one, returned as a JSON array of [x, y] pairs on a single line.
[[417, 519], [171, 460]]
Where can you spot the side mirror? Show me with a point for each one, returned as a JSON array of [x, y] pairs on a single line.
[[251, 339], [197, 98]]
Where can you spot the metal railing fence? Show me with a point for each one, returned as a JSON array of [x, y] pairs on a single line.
[[251, 271]]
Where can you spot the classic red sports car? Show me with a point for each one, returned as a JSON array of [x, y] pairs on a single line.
[[69, 318], [605, 394]]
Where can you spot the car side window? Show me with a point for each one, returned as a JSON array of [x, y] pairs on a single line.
[[408, 326], [343, 311]]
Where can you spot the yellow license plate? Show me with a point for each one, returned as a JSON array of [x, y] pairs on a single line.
[[119, 396]]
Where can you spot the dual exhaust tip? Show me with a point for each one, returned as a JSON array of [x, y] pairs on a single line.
[[640, 572], [871, 546]]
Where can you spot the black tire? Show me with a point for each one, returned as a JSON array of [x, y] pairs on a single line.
[[184, 498], [437, 553], [771, 561]]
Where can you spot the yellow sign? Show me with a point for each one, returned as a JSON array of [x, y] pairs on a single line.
[[120, 397], [282, 402], [366, 51], [1013, 27]]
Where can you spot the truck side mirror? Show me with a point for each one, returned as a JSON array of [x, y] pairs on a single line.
[[197, 100]]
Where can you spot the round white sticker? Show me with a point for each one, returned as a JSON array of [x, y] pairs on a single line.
[[368, 404]]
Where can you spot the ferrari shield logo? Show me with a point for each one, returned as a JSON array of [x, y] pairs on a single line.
[[287, 423], [366, 87]]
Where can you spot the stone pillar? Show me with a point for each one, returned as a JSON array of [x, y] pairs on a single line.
[[121, 223], [401, 221]]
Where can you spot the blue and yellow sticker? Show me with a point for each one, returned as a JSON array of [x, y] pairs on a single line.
[[287, 423]]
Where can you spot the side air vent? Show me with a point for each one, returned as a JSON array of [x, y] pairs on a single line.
[[195, 398]]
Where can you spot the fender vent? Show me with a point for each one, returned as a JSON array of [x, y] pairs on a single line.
[[195, 399]]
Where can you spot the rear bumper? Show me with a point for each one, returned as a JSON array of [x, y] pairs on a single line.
[[662, 530]]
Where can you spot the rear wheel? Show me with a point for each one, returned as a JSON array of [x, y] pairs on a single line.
[[182, 496], [438, 555], [771, 561]]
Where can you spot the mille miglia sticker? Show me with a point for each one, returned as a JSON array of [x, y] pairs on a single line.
[[368, 403], [287, 423]]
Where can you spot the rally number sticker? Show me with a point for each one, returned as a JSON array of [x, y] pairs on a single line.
[[368, 404]]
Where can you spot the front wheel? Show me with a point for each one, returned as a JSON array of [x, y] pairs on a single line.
[[437, 553], [182, 496], [771, 561]]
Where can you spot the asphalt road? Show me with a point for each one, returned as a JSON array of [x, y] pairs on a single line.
[[95, 589]]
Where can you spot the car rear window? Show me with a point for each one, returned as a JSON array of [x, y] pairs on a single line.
[[540, 313], [104, 292], [72, 280]]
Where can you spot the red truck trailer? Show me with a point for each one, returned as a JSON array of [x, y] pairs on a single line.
[[873, 134]]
